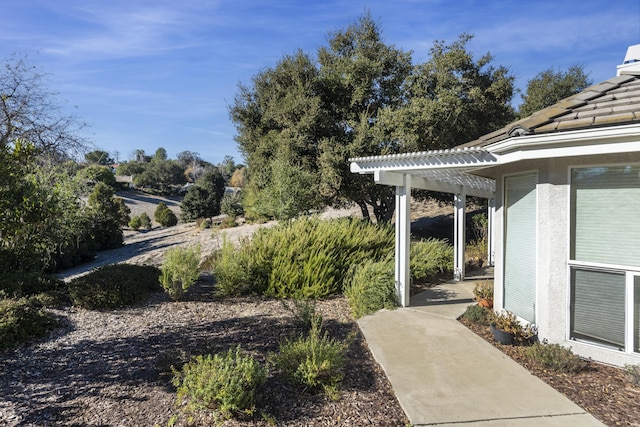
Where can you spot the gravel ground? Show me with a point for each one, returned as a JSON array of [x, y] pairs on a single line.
[[112, 368]]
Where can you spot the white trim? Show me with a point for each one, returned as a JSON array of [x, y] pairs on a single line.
[[622, 133], [403, 241]]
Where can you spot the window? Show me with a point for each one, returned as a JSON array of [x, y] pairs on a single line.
[[605, 256], [520, 245]]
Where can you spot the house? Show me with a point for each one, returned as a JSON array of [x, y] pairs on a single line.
[[564, 199]]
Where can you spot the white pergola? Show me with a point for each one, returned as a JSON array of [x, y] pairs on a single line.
[[449, 171]]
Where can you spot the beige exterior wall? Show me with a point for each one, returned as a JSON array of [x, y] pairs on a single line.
[[553, 234]]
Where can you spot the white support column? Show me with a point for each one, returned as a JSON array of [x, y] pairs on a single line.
[[403, 240], [491, 211], [459, 236]]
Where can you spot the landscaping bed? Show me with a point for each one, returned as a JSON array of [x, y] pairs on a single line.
[[604, 391], [113, 368]]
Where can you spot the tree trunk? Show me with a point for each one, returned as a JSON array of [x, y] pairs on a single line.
[[364, 210]]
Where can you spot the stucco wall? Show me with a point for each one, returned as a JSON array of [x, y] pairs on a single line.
[[553, 233]]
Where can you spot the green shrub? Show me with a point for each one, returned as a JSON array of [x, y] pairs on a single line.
[[303, 259], [556, 357], [227, 384], [165, 216], [113, 286], [22, 320], [180, 270], [478, 314], [231, 204], [305, 315], [310, 258], [134, 223], [314, 362], [145, 221], [371, 287], [428, 258], [231, 270]]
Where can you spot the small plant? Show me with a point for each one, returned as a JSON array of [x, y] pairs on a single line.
[[180, 270], [314, 362], [227, 384], [165, 216], [134, 223], [556, 357], [145, 221], [483, 291], [113, 286], [478, 314], [304, 313], [371, 287], [633, 373], [22, 320], [507, 322]]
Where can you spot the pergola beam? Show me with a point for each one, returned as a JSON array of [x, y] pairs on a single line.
[[395, 179]]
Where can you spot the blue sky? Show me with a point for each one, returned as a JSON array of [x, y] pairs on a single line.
[[157, 73]]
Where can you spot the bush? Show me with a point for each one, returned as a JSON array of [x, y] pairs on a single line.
[[231, 204], [227, 384], [478, 314], [134, 223], [428, 258], [371, 287], [304, 314], [315, 362], [165, 216], [114, 286], [145, 221], [556, 357], [180, 270], [22, 320], [231, 270]]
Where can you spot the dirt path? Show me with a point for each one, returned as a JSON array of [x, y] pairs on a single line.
[[148, 247]]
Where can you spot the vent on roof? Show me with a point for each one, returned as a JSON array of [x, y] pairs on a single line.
[[631, 64]]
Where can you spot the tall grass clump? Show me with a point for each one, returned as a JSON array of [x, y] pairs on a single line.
[[304, 258], [371, 287], [114, 286], [430, 257], [227, 384], [180, 270], [315, 362], [22, 320]]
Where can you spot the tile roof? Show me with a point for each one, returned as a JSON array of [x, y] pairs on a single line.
[[613, 102]]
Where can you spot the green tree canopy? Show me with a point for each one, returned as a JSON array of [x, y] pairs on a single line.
[[98, 157], [550, 86], [361, 97]]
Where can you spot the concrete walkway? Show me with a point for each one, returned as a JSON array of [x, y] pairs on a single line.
[[445, 375]]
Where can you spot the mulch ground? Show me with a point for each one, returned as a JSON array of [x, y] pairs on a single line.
[[606, 392]]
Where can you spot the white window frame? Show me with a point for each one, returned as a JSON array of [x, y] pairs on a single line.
[[630, 272]]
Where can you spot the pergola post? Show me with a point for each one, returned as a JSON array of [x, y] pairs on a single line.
[[403, 240], [491, 211], [459, 235]]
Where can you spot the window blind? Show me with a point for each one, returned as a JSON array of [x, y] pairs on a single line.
[[520, 245], [597, 306], [606, 215]]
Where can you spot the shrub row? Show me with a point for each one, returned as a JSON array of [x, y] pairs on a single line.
[[311, 258]]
